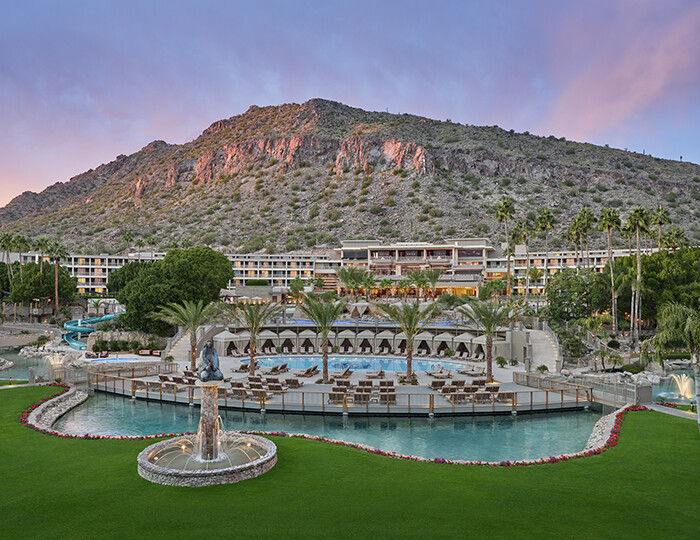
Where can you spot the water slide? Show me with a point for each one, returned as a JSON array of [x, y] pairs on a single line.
[[78, 327]]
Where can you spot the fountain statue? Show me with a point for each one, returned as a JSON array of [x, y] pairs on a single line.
[[212, 456], [682, 390]]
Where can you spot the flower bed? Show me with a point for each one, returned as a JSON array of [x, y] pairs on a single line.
[[609, 443]]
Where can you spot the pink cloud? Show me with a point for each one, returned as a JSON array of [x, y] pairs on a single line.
[[645, 67]]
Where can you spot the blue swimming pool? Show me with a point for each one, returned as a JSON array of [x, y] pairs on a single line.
[[479, 438], [356, 363]]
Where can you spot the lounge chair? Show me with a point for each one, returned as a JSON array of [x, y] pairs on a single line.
[[459, 398], [163, 378], [178, 380], [156, 353], [104, 354], [337, 398], [364, 383], [245, 367], [145, 352], [437, 384], [340, 389], [240, 393], [435, 372], [344, 383], [387, 398], [505, 397], [445, 374], [274, 370], [494, 388], [447, 389], [386, 383], [276, 388], [283, 368], [294, 383], [345, 374], [458, 383], [360, 398], [483, 398], [379, 374], [310, 372]]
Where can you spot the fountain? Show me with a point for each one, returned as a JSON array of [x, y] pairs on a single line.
[[211, 456], [684, 389]]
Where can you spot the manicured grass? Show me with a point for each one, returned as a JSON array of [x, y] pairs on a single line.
[[647, 486], [8, 382]]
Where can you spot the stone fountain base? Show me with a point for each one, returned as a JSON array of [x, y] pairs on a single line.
[[211, 456]]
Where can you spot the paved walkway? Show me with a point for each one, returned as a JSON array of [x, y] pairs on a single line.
[[673, 412], [544, 351]]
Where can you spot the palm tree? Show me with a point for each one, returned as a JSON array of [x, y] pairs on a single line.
[[679, 326], [385, 284], [627, 232], [572, 237], [545, 222], [403, 285], [368, 283], [420, 281], [139, 245], [610, 221], [351, 277], [432, 276], [41, 245], [56, 251], [586, 219], [522, 232], [660, 217], [504, 212], [323, 315], [6, 246], [409, 317], [252, 317], [639, 219], [190, 316], [20, 244], [534, 274], [296, 289], [674, 238], [488, 317], [96, 304], [127, 237]]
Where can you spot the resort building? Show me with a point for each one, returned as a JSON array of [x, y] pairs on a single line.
[[466, 263]]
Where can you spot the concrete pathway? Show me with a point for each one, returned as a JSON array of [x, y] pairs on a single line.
[[673, 412], [544, 351]]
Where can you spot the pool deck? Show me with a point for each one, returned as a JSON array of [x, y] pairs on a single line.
[[314, 398]]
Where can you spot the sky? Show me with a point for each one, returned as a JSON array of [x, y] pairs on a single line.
[[82, 82]]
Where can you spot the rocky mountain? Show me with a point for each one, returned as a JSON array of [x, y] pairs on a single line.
[[299, 177]]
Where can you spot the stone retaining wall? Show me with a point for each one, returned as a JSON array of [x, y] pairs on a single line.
[[601, 431], [5, 364], [44, 416]]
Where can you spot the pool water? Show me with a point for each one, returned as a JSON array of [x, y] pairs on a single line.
[[491, 438], [22, 365], [356, 363], [669, 386]]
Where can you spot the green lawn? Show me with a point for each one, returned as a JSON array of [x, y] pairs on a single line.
[[647, 486], [8, 382]]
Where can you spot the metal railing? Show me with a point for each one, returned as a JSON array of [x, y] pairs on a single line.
[[356, 403], [584, 393]]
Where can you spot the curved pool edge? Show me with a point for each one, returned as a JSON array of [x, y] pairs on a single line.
[[604, 436]]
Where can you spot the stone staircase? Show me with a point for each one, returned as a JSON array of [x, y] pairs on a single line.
[[544, 350]]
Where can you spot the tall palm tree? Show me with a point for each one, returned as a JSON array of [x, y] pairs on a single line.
[[545, 222], [522, 232], [139, 245], [409, 317], [56, 251], [627, 232], [504, 212], [679, 326], [488, 317], [323, 314], [385, 284], [660, 217], [41, 244], [252, 317], [127, 237], [572, 237], [190, 316], [535, 274], [432, 276], [350, 277], [6, 246], [403, 285], [586, 219], [610, 221], [639, 219], [20, 244]]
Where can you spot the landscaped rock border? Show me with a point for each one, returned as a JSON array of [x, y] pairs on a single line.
[[5, 364], [609, 431]]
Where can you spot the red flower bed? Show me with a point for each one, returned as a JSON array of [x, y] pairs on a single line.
[[612, 439]]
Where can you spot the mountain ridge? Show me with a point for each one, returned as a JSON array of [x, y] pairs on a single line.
[[299, 176]]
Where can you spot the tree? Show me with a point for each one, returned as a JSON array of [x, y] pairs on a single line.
[[368, 283], [127, 237], [660, 217], [545, 222], [679, 327], [323, 314], [195, 274], [569, 294], [140, 244], [41, 244], [419, 280], [252, 317], [6, 246], [610, 221], [56, 251], [432, 276], [522, 232], [296, 289], [351, 277], [585, 220], [38, 283], [674, 238], [504, 213], [639, 219], [572, 237], [488, 317], [409, 317], [190, 316], [385, 284], [535, 274], [403, 285], [20, 244]]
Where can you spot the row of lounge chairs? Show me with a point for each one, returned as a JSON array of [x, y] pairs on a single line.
[[482, 398]]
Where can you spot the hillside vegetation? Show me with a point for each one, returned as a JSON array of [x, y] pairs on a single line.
[[297, 177]]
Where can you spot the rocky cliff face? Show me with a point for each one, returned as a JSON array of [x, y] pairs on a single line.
[[302, 176]]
